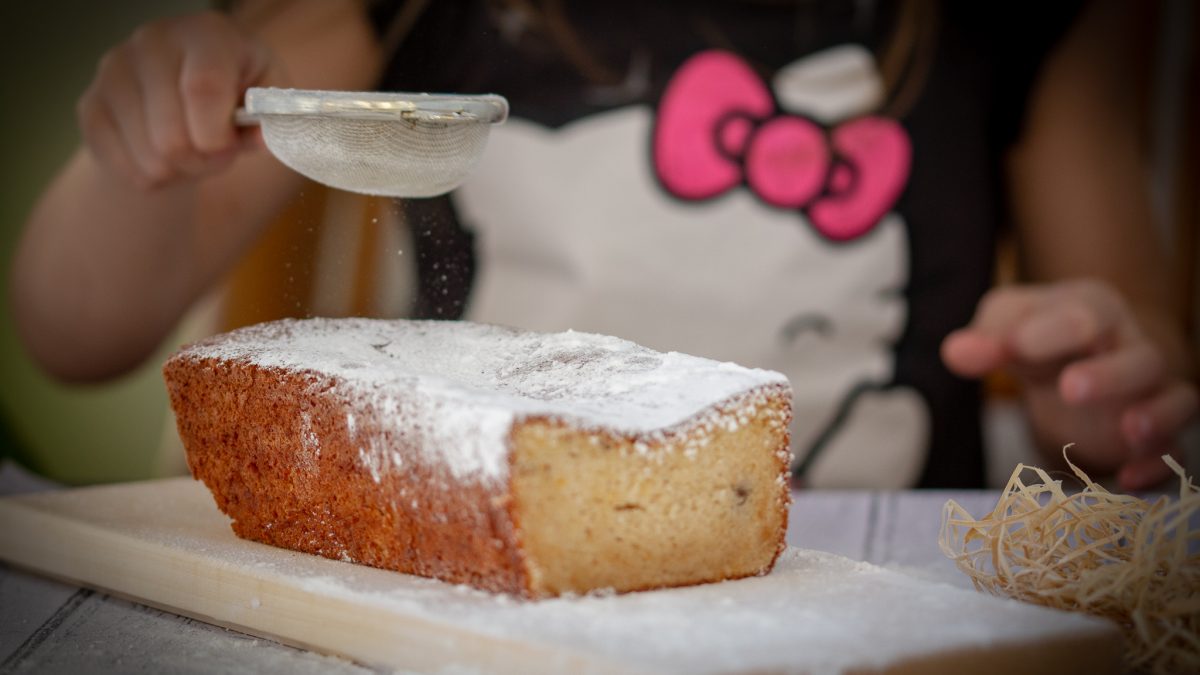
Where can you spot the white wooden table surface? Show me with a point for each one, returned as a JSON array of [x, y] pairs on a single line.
[[48, 626]]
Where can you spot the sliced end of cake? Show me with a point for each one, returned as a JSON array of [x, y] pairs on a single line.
[[707, 502]]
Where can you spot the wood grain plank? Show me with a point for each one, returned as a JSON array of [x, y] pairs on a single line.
[[27, 604], [833, 521], [908, 526], [111, 635]]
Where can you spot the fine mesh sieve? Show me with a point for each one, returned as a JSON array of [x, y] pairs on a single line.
[[391, 144]]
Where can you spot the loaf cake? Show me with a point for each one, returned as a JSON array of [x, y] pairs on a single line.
[[527, 463]]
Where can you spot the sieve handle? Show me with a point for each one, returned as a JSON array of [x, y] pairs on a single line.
[[244, 118]]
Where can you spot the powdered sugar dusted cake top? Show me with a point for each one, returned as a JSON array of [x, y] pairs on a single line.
[[458, 387]]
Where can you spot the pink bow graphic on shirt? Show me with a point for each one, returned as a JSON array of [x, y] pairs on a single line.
[[717, 127]]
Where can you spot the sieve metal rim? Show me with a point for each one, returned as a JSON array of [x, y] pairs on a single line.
[[441, 108]]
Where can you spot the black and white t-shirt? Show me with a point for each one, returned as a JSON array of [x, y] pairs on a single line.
[[721, 178]]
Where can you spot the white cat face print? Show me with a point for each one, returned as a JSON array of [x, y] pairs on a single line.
[[724, 224]]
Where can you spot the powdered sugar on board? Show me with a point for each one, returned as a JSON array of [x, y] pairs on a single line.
[[459, 386], [815, 613]]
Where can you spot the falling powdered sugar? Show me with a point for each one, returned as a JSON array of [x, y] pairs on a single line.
[[456, 388]]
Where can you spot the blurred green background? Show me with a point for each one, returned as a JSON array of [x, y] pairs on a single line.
[[87, 434]]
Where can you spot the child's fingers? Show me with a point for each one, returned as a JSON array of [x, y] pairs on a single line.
[[1052, 323], [1164, 415], [256, 61], [158, 67], [1073, 318], [1062, 328], [972, 353], [1127, 373], [217, 162], [1002, 309], [122, 95], [104, 141], [209, 79], [254, 72], [980, 347]]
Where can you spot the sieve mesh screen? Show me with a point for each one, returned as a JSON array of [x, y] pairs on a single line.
[[397, 145]]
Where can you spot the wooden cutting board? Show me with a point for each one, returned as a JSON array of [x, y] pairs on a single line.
[[165, 544]]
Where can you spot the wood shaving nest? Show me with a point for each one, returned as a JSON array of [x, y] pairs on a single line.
[[1111, 555]]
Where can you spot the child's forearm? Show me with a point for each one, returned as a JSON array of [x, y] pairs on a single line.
[[166, 192], [105, 268]]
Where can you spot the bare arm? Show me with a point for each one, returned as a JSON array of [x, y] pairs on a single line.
[[165, 193], [1094, 337], [1079, 177]]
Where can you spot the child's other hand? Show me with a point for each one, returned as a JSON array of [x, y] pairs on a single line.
[[1091, 375], [160, 108]]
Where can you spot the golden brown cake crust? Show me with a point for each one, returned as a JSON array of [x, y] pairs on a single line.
[[240, 424]]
